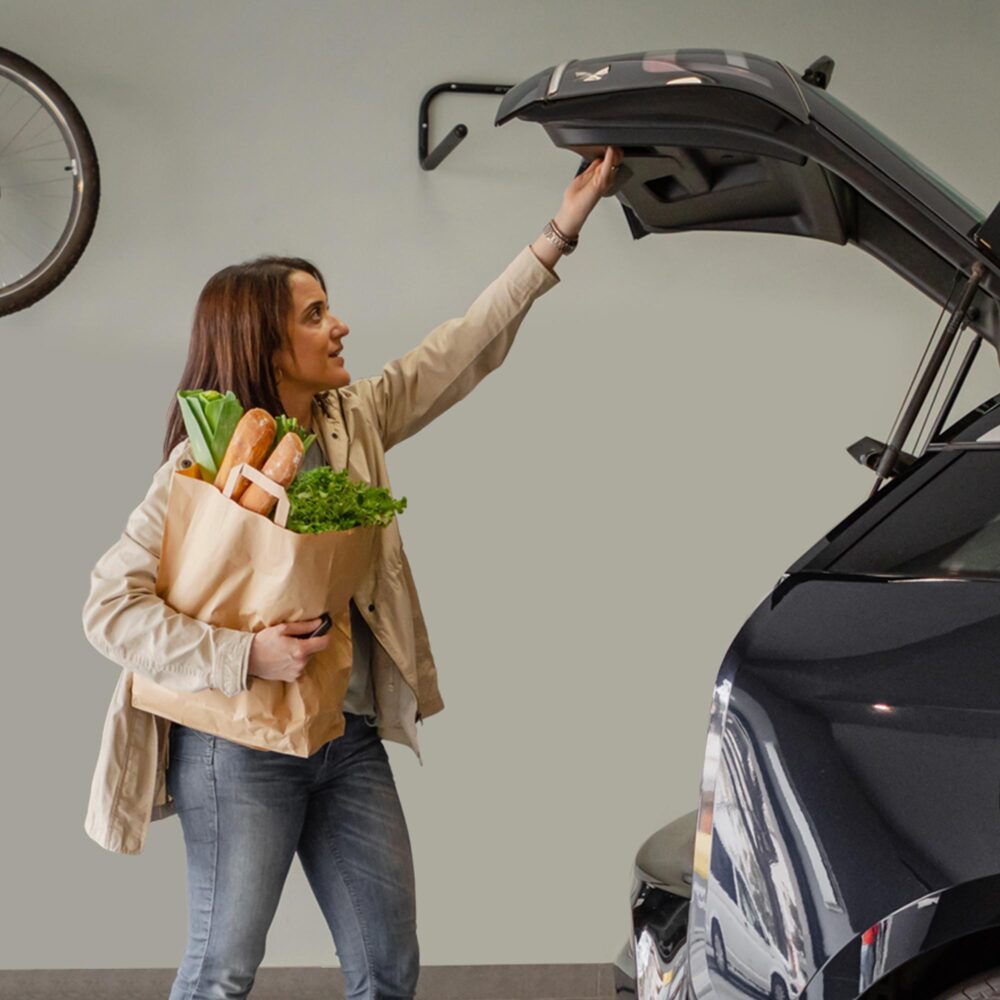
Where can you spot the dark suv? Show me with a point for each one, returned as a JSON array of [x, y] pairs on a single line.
[[847, 840]]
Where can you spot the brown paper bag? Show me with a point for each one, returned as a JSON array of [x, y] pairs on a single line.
[[230, 566]]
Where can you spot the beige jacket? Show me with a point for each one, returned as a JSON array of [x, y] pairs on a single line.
[[125, 621]]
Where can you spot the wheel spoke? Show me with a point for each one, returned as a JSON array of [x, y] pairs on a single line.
[[30, 237], [42, 197], [13, 243], [21, 129], [48, 225], [20, 97], [21, 184], [41, 145]]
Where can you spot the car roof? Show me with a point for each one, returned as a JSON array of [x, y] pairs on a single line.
[[723, 140]]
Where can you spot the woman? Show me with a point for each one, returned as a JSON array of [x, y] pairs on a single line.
[[265, 331]]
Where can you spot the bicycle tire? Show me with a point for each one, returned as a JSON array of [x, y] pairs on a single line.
[[53, 270]]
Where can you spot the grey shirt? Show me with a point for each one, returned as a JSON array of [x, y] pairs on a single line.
[[359, 698]]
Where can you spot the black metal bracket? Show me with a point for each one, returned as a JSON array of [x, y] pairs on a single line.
[[428, 161], [868, 451]]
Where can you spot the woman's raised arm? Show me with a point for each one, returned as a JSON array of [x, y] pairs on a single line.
[[457, 354]]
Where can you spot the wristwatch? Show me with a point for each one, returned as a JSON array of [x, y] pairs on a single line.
[[559, 240]]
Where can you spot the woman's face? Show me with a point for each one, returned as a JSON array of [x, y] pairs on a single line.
[[315, 334]]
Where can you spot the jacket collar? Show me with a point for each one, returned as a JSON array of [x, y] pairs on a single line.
[[328, 425]]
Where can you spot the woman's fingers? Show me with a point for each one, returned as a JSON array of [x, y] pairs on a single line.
[[594, 182], [606, 173], [316, 644], [607, 164], [301, 627]]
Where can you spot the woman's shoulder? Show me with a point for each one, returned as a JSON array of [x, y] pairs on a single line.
[[178, 454]]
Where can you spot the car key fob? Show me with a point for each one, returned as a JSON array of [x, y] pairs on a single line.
[[321, 629]]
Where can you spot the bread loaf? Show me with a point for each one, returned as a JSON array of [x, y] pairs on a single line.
[[282, 466], [250, 443]]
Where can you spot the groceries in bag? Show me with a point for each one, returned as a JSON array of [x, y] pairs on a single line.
[[251, 563], [320, 499]]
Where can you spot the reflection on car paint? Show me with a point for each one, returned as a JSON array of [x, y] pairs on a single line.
[[659, 979], [754, 909], [735, 64], [851, 812]]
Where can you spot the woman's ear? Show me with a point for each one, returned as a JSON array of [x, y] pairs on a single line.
[[276, 366]]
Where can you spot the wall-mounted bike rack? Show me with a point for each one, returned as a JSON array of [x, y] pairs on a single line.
[[459, 132]]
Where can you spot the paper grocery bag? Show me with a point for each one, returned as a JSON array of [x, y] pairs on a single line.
[[229, 566]]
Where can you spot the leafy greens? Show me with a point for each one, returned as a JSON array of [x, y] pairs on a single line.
[[210, 417], [324, 500], [286, 424]]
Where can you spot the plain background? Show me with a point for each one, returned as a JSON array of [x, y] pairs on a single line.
[[588, 530]]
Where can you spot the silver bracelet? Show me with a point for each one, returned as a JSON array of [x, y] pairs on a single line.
[[557, 239]]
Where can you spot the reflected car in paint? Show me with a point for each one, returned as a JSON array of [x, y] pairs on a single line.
[[847, 839]]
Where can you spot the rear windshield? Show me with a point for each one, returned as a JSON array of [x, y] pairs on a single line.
[[948, 527], [908, 158]]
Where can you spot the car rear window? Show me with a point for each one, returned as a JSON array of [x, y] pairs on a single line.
[[969, 207], [948, 527]]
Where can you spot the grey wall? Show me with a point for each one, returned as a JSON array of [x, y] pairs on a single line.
[[588, 530]]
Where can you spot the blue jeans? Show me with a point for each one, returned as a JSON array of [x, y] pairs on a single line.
[[246, 812]]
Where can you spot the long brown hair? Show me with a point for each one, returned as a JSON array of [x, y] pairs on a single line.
[[240, 320]]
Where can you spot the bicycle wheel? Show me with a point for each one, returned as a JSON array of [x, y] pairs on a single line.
[[49, 183]]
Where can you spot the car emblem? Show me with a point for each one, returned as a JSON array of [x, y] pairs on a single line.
[[588, 77]]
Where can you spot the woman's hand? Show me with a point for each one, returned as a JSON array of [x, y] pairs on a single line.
[[276, 655], [586, 190]]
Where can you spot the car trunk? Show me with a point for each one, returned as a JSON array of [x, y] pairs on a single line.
[[732, 141]]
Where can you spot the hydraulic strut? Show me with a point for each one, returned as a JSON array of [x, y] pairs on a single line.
[[887, 460]]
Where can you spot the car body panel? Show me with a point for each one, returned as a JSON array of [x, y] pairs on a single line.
[[924, 926], [861, 753], [721, 140], [855, 736], [742, 71]]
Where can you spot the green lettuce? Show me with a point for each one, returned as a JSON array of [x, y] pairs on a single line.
[[323, 500]]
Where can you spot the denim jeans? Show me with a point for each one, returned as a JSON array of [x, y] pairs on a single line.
[[246, 812]]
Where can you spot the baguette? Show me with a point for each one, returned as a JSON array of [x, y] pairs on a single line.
[[250, 441], [282, 466]]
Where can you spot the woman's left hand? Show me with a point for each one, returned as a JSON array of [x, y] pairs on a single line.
[[587, 189]]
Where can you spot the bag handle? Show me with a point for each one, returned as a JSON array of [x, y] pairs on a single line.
[[265, 483]]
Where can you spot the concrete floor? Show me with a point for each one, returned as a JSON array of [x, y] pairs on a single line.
[[437, 982]]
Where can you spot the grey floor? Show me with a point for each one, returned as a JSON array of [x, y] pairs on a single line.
[[437, 982]]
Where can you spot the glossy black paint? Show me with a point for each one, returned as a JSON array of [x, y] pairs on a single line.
[[864, 722], [849, 825]]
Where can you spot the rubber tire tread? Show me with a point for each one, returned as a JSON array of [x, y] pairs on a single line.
[[982, 986]]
